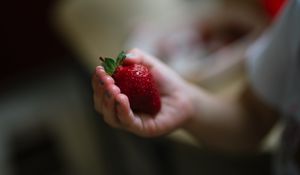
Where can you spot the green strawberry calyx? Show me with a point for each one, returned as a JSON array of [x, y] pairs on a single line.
[[111, 64]]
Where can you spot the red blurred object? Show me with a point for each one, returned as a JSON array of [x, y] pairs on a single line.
[[273, 7]]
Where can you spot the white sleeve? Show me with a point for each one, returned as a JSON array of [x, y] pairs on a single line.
[[271, 58]]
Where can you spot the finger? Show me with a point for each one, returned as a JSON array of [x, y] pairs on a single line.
[[129, 120], [97, 103], [99, 70], [103, 76], [98, 89], [124, 113], [140, 124], [109, 106], [94, 81], [155, 65], [102, 80], [139, 57]]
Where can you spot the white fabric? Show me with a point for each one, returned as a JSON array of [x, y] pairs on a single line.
[[274, 68]]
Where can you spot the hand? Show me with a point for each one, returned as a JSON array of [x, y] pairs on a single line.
[[115, 108]]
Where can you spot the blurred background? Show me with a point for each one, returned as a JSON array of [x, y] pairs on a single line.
[[50, 49]]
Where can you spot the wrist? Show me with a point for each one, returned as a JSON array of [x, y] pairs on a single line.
[[194, 96]]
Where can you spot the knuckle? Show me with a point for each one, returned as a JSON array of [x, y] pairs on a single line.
[[134, 50], [151, 130]]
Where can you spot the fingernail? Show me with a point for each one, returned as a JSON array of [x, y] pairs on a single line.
[[101, 82], [131, 55], [107, 94], [99, 68]]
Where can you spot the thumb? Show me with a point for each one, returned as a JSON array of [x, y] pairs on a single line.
[[136, 56]]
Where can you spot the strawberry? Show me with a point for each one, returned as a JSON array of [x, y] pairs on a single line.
[[136, 82]]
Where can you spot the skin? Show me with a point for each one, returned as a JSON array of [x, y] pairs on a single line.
[[116, 110], [221, 124]]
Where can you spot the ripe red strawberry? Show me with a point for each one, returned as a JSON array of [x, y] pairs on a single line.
[[136, 82]]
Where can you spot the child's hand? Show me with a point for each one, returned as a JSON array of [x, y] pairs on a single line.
[[115, 108]]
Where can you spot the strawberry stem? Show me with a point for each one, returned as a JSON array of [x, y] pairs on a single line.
[[110, 64], [120, 58], [101, 59]]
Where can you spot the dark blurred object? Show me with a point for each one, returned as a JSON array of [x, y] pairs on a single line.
[[35, 152], [29, 43], [47, 125], [42, 85]]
